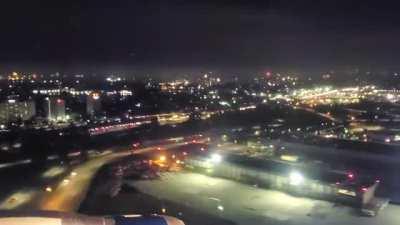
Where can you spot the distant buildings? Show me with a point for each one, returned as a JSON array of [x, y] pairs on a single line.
[[16, 78], [54, 109], [113, 79], [13, 110], [93, 104], [175, 86], [208, 80]]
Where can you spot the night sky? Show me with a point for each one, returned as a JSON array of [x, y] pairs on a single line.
[[201, 34]]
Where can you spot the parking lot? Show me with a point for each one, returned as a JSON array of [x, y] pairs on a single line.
[[244, 204]]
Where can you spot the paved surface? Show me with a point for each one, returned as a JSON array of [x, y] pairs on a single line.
[[244, 204], [68, 191]]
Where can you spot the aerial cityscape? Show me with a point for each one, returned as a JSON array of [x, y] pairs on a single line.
[[175, 113]]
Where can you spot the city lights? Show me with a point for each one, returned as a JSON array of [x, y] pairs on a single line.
[[213, 112]]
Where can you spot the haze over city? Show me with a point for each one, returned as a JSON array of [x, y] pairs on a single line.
[[281, 35]]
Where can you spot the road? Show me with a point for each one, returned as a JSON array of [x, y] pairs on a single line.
[[326, 116], [69, 190]]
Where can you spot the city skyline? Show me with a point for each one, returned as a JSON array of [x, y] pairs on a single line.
[[199, 112]]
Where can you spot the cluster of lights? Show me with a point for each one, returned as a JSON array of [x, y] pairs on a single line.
[[174, 86], [172, 118], [117, 127], [47, 91], [113, 79], [245, 108], [329, 95], [15, 77], [125, 93]]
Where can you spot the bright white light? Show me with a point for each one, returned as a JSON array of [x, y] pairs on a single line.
[[296, 178], [95, 96], [163, 158], [65, 181], [48, 189], [215, 158]]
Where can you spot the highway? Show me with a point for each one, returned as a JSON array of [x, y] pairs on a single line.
[[64, 194], [68, 191], [323, 115]]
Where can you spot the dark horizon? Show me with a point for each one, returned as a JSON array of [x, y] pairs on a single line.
[[305, 36]]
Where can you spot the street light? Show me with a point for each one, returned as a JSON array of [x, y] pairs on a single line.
[[163, 158], [296, 178], [48, 189], [216, 158]]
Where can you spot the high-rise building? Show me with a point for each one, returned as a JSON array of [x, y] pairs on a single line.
[[13, 110], [93, 104], [54, 109]]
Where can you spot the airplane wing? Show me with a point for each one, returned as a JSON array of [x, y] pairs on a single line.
[[62, 218]]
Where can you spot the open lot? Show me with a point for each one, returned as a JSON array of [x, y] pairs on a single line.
[[244, 204]]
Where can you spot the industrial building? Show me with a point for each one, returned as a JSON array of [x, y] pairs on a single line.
[[321, 183]]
